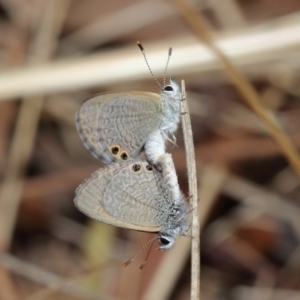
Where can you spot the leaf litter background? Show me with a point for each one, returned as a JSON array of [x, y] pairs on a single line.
[[55, 54]]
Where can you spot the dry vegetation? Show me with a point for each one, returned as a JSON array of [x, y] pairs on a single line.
[[56, 53]]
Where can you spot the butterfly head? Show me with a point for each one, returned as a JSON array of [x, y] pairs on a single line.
[[171, 95], [177, 226], [168, 237], [172, 89]]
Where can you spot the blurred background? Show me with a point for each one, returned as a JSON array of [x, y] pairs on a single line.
[[56, 53]]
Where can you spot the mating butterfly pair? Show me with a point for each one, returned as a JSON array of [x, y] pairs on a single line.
[[132, 192]]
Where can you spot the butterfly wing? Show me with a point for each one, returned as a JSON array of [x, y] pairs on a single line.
[[125, 195], [115, 126]]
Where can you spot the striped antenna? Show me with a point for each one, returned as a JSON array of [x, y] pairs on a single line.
[[125, 264], [165, 72]]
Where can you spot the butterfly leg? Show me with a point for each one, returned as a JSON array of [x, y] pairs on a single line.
[[173, 140]]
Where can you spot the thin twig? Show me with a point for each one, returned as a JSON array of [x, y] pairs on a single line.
[[203, 32], [192, 178]]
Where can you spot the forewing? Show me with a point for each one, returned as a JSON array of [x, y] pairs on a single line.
[[122, 195], [124, 120]]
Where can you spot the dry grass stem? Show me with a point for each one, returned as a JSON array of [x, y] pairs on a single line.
[[281, 38], [193, 192], [202, 31]]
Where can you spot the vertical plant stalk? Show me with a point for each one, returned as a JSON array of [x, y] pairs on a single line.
[[193, 192]]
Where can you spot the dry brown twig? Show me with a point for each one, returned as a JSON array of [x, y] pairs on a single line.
[[159, 285], [192, 179], [252, 98], [118, 66]]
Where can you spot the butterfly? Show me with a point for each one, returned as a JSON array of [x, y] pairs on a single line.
[[134, 195], [117, 127], [131, 192]]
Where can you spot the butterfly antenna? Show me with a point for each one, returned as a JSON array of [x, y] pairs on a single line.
[[144, 54], [128, 262], [166, 68], [148, 254]]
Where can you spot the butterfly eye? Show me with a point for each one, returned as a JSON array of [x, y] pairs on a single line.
[[149, 168], [168, 88], [164, 241], [136, 167], [115, 150], [124, 156]]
